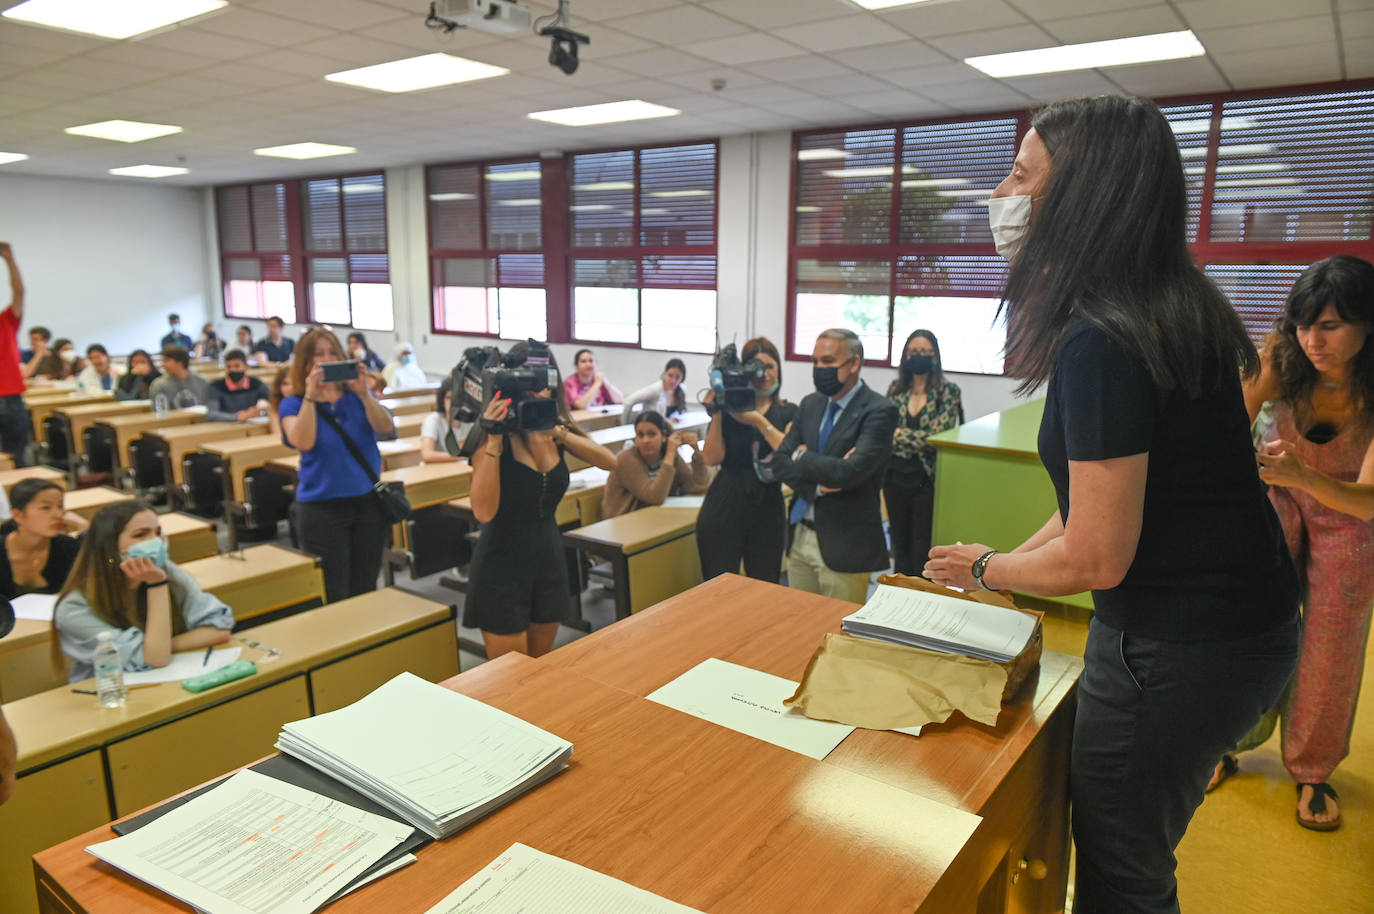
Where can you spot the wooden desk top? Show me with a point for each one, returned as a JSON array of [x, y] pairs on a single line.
[[397, 454], [143, 422], [264, 446], [638, 530], [191, 435], [597, 417], [776, 629], [409, 406], [264, 560], [105, 408], [696, 813], [26, 633], [432, 483], [1013, 431], [56, 723], [86, 502], [616, 433], [409, 425], [51, 396], [412, 392], [175, 523], [9, 477]]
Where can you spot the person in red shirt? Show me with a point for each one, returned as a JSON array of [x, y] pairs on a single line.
[[14, 417]]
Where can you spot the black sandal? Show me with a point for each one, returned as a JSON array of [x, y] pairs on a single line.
[[1229, 766], [1317, 806]]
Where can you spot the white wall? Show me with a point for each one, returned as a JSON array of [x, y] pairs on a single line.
[[105, 261]]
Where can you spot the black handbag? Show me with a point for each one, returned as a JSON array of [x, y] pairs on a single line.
[[391, 495]]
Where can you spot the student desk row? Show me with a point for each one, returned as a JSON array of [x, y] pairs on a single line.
[[43, 401], [80, 764], [963, 818], [409, 406], [619, 434], [652, 551], [402, 452], [187, 439]]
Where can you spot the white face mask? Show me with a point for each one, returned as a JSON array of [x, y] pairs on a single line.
[[1009, 218]]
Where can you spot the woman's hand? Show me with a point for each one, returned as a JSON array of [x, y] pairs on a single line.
[[690, 437], [953, 565], [143, 571], [74, 523], [751, 417], [674, 442], [1279, 465], [314, 383], [598, 380], [496, 410]]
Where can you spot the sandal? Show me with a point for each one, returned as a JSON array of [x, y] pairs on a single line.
[[1317, 806], [1228, 766]]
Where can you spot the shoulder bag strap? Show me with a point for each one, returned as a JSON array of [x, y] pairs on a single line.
[[348, 442]]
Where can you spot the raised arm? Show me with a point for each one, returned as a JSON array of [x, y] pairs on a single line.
[[585, 448], [16, 282], [1262, 387]]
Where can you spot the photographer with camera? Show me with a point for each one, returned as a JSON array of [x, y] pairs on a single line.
[[743, 519], [518, 583], [341, 519], [653, 469]]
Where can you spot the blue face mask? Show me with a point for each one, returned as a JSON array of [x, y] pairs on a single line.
[[155, 549], [408, 359]]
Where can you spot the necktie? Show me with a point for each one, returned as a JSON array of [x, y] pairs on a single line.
[[801, 504]]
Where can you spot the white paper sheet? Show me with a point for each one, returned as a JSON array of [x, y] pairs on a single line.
[[254, 845], [750, 702], [526, 880], [184, 665], [941, 623], [35, 606], [684, 501], [587, 478]]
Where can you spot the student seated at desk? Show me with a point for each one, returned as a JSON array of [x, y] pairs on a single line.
[[60, 364], [440, 436], [649, 472], [238, 396], [100, 373], [138, 382], [181, 386], [36, 554], [124, 583], [665, 396]]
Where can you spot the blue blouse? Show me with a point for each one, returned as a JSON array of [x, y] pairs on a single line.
[[328, 470]]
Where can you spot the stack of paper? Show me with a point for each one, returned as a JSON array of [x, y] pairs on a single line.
[[939, 623], [438, 759]]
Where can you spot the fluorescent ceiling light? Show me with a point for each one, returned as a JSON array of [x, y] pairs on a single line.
[[609, 113], [680, 193], [109, 18], [304, 151], [414, 73], [149, 171], [530, 175], [124, 131], [1117, 52], [811, 155], [885, 4], [605, 185], [444, 198], [8, 157]]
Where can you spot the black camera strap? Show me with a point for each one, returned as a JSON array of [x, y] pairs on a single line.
[[348, 443]]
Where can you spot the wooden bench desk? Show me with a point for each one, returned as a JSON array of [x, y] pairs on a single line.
[[79, 418], [8, 478], [26, 661], [399, 392], [653, 554], [238, 455], [166, 739], [597, 417], [188, 537], [402, 452], [1014, 775], [86, 502], [128, 427], [432, 483], [409, 425], [259, 579], [610, 436], [43, 401], [409, 406], [185, 439], [6, 461], [699, 814]]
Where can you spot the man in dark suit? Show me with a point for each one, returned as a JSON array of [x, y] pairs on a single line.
[[833, 458]]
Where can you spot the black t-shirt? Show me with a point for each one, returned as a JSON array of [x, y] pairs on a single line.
[[1211, 562], [739, 438], [61, 557]]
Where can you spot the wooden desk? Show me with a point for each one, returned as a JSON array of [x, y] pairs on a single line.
[[1014, 775], [188, 537], [610, 436], [166, 739], [408, 425], [8, 478], [597, 417], [409, 406], [128, 427], [653, 552], [43, 401], [399, 392], [186, 439], [6, 461], [80, 417], [86, 502], [432, 483], [238, 455], [260, 579], [26, 661], [403, 452], [696, 813]]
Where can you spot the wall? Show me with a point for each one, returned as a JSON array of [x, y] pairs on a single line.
[[105, 261]]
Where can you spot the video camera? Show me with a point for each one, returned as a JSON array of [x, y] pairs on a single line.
[[732, 381], [484, 370]]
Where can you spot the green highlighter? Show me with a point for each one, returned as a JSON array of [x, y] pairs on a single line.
[[236, 670]]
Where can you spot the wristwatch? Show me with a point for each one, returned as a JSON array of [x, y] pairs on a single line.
[[980, 565]]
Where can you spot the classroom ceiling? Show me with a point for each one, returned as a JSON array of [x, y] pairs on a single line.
[[251, 75]]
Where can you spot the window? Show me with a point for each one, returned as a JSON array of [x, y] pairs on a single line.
[[486, 249], [307, 251], [642, 225]]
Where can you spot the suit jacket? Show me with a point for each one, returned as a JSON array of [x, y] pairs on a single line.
[[849, 523]]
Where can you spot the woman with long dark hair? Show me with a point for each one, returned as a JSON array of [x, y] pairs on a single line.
[[743, 519], [665, 396], [926, 404], [518, 582], [1317, 453], [1161, 510], [138, 380], [36, 552], [652, 468]]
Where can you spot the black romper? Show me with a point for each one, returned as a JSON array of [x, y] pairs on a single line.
[[519, 575]]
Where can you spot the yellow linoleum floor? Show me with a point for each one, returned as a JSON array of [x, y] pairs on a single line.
[[1244, 852]]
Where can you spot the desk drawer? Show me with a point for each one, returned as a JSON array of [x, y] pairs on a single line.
[[431, 653]]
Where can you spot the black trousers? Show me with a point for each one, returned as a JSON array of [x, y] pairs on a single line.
[[740, 522], [348, 535], [14, 429], [1153, 718], [910, 512]]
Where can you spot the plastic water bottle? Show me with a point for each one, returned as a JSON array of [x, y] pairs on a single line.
[[109, 672], [160, 404]]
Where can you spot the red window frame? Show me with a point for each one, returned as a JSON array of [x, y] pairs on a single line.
[[344, 251]]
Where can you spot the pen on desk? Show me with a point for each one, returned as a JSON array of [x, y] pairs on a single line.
[[208, 651], [141, 685]]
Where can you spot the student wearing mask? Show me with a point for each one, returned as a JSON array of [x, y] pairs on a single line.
[[124, 583], [440, 436], [209, 346], [100, 373], [653, 469], [665, 396], [15, 426], [276, 347], [1161, 514], [36, 552], [340, 519], [926, 404], [138, 381], [405, 372], [174, 336], [518, 584], [586, 386], [61, 363], [358, 349], [238, 396], [179, 385]]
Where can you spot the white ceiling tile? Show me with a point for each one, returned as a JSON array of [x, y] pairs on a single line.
[[240, 22], [101, 74], [513, 55], [343, 15], [820, 111], [702, 79], [1063, 9], [769, 14], [1357, 23], [1359, 58], [678, 24], [156, 59], [205, 44], [931, 20], [22, 56], [249, 76], [994, 41], [607, 42], [807, 66], [354, 50], [896, 55], [1173, 77], [1260, 36], [978, 95], [767, 96], [599, 10], [1054, 86], [921, 107], [1222, 13], [1344, 5], [589, 75], [411, 33], [742, 49], [293, 61], [1298, 64], [853, 31], [662, 62], [32, 36], [838, 86], [1144, 20], [917, 78], [195, 85]]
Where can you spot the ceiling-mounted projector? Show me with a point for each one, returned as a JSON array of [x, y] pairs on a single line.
[[500, 17]]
